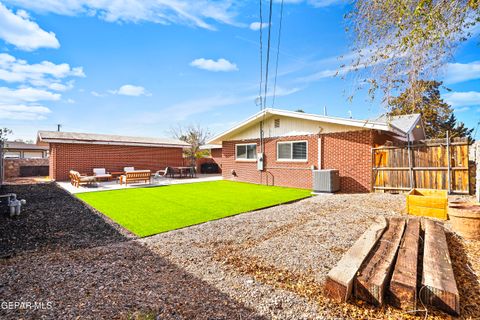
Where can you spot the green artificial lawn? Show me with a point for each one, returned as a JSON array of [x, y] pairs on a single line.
[[147, 211]]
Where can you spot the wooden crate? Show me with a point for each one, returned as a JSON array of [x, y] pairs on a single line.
[[428, 203]]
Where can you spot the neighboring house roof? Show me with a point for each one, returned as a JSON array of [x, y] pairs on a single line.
[[107, 139], [406, 123], [19, 145], [398, 127], [210, 146]]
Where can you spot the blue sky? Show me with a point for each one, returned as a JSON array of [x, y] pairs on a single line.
[[143, 67]]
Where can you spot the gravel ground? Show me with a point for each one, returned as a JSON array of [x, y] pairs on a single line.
[[52, 220], [267, 264]]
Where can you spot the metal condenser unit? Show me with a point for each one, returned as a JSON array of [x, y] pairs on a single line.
[[327, 180]]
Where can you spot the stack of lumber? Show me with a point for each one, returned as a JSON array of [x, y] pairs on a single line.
[[385, 262]]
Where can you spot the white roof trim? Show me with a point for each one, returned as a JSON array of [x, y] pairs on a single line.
[[111, 143], [367, 124]]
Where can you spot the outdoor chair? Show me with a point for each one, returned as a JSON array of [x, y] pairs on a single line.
[[168, 172], [101, 173], [76, 179]]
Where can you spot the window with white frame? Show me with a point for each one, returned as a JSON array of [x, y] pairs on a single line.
[[246, 151], [292, 151], [33, 154], [12, 154]]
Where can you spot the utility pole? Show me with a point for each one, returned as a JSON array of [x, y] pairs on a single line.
[[59, 126]]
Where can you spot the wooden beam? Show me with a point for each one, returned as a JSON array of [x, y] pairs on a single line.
[[402, 292], [438, 288], [339, 283], [371, 283]]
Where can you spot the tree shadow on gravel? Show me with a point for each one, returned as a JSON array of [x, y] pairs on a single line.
[[52, 219], [117, 281], [467, 282]]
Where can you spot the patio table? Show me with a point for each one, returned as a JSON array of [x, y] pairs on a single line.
[[185, 170]]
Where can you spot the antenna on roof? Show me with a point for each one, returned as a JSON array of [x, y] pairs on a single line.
[[59, 126], [325, 110]]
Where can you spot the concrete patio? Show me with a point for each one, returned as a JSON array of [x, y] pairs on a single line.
[[114, 185]]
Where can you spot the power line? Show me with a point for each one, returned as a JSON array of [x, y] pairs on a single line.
[[278, 51], [261, 56], [268, 53]]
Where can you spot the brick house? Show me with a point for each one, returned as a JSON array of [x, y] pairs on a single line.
[[23, 159], [296, 143], [84, 151]]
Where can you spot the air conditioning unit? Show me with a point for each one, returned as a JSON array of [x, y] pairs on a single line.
[[326, 180]]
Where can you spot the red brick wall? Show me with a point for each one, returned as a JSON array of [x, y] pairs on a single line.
[[349, 152], [84, 157], [279, 173], [216, 155]]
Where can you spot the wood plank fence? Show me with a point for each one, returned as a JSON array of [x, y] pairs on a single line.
[[423, 164]]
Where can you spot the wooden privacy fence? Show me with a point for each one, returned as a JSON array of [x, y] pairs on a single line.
[[432, 164]]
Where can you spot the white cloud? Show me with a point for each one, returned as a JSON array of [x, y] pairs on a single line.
[[130, 90], [460, 72], [198, 13], [19, 30], [281, 92], [14, 96], [23, 112], [460, 99], [212, 65], [315, 3], [462, 109], [325, 3], [183, 110], [37, 82], [257, 25], [97, 94], [44, 74]]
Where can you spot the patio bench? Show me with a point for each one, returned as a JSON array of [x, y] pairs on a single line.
[[135, 176]]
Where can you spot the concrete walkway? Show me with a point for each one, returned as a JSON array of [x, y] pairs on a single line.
[[114, 185]]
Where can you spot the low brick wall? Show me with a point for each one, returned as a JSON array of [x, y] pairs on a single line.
[[12, 166]]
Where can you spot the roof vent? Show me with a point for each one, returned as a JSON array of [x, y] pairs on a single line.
[[277, 123]]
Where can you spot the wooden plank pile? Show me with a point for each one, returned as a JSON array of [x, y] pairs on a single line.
[[384, 266]]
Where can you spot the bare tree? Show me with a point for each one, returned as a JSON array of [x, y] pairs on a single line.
[[396, 43], [195, 136]]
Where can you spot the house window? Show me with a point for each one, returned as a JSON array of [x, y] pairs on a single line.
[[292, 151], [12, 154], [246, 151], [32, 155], [277, 123]]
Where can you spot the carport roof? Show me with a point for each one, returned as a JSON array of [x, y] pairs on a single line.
[[107, 139]]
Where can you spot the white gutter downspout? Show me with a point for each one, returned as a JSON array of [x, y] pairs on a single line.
[[319, 152]]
